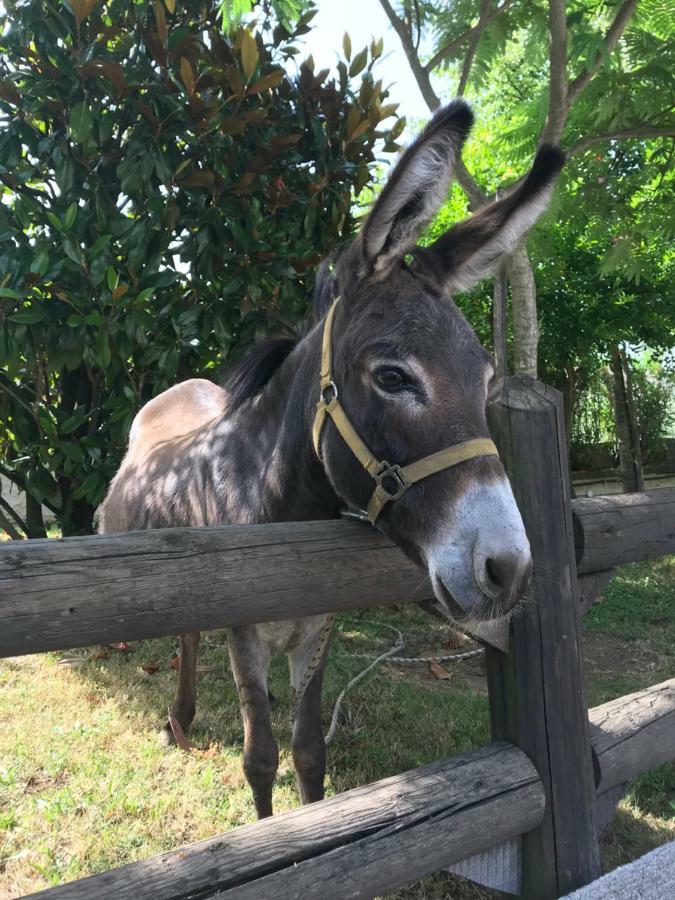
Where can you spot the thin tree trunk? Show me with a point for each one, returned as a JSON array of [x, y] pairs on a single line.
[[524, 312], [630, 455], [34, 521], [499, 322]]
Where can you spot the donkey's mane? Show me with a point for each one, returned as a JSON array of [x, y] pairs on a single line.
[[250, 374]]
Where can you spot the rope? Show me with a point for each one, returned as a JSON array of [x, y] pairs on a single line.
[[399, 645], [388, 656]]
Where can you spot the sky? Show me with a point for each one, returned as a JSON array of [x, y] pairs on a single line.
[[365, 20]]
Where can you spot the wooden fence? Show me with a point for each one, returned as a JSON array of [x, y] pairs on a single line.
[[538, 794]]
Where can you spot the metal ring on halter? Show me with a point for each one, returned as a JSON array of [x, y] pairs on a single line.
[[332, 387]]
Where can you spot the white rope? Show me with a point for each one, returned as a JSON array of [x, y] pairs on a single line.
[[399, 645], [388, 656], [415, 660]]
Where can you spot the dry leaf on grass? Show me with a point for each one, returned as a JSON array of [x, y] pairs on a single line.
[[72, 661], [151, 668], [202, 669], [97, 653], [122, 646], [179, 734], [438, 671], [175, 662]]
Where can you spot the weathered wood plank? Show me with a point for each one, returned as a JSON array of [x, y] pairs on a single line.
[[591, 587], [633, 734], [356, 844], [607, 803], [536, 691], [88, 590], [624, 528], [497, 868]]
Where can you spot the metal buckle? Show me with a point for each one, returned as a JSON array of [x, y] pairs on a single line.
[[331, 390], [397, 483]]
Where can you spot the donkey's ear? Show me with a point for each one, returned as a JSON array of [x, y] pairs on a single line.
[[416, 188], [472, 249]]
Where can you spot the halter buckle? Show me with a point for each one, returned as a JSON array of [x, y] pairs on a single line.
[[391, 480]]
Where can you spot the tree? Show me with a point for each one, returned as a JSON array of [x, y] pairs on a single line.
[[167, 191], [548, 72]]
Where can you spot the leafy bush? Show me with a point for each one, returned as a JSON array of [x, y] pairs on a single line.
[[653, 395], [167, 192]]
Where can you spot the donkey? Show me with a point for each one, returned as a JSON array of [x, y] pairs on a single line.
[[390, 371]]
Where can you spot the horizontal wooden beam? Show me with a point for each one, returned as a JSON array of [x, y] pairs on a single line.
[[357, 844], [77, 591], [625, 528], [633, 734]]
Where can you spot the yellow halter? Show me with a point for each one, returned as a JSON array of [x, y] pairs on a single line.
[[390, 481]]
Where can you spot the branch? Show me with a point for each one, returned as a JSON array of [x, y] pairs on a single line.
[[418, 70], [637, 132], [10, 511], [558, 104], [610, 41], [474, 40], [6, 523], [473, 191], [457, 42]]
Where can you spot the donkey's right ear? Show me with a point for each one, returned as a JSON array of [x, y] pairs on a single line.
[[416, 188]]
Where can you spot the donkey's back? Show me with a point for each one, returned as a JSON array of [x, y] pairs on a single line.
[[147, 491]]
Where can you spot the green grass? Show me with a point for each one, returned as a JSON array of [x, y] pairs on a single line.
[[85, 786]]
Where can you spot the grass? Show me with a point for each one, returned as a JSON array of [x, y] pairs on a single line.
[[85, 786]]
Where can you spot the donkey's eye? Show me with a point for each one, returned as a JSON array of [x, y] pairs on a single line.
[[389, 378]]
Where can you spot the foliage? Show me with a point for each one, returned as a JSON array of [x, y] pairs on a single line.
[[653, 395], [167, 192]]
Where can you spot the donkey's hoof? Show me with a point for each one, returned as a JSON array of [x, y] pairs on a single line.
[[166, 736]]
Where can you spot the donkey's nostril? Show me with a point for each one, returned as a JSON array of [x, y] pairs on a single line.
[[504, 577]]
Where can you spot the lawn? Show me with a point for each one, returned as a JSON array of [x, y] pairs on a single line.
[[85, 785]]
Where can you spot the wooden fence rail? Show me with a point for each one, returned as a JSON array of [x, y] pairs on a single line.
[[78, 591], [356, 844]]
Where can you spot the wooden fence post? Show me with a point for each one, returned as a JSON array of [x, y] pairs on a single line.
[[537, 695]]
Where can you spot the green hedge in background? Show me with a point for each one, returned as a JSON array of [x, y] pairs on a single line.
[[166, 191]]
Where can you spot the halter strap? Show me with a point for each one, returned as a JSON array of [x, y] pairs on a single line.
[[391, 481]]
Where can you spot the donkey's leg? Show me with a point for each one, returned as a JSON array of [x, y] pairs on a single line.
[[185, 701], [250, 660], [309, 747]]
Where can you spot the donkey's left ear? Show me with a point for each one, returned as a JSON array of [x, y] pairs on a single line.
[[416, 188], [473, 249]]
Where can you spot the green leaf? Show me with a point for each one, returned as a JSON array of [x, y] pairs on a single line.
[[81, 122], [70, 216], [9, 293], [347, 46], [30, 316], [359, 62]]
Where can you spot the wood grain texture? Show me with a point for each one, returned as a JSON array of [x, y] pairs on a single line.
[[633, 734], [356, 844], [536, 691], [77, 591], [625, 528], [591, 587]]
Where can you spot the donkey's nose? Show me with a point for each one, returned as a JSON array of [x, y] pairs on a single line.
[[503, 576]]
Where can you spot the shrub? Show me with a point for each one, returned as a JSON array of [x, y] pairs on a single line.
[[167, 191]]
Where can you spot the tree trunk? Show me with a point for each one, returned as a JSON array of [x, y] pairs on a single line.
[[76, 516], [630, 455], [524, 312], [34, 521], [499, 322]]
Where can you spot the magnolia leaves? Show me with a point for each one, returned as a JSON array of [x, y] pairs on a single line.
[[82, 9]]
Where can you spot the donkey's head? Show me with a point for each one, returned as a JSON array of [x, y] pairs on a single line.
[[413, 379]]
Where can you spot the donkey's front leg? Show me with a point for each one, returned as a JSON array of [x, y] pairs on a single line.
[[250, 659], [185, 701], [309, 746]]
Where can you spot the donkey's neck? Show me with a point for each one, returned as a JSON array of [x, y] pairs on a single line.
[[269, 445]]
